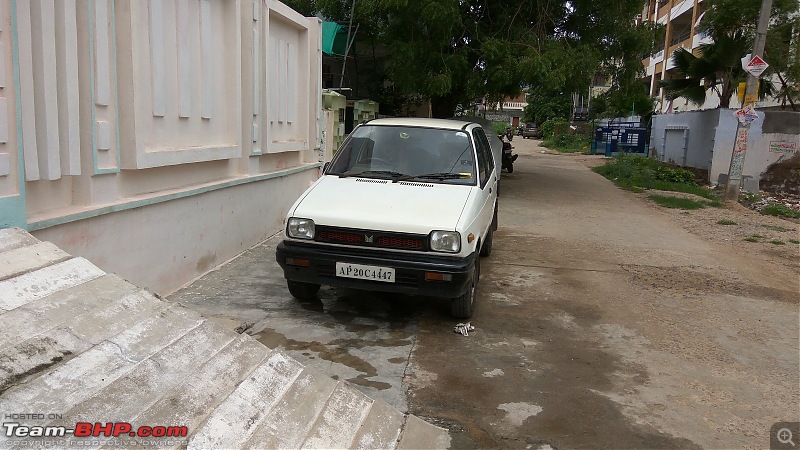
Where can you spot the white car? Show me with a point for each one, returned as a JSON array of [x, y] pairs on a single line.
[[407, 205]]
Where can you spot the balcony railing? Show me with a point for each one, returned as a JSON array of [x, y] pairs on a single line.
[[681, 37]]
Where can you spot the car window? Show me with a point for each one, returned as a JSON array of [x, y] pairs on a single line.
[[397, 152], [482, 147], [485, 141]]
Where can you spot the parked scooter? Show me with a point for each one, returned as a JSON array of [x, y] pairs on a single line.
[[508, 156]]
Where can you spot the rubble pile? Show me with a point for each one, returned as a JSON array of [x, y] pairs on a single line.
[[780, 183], [782, 176]]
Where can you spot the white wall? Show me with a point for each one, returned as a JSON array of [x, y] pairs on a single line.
[[711, 135], [156, 138]]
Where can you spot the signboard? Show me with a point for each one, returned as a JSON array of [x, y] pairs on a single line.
[[746, 115], [756, 66], [739, 148], [782, 147]]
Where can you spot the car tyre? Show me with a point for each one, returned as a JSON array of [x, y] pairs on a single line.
[[462, 307], [486, 246], [303, 291]]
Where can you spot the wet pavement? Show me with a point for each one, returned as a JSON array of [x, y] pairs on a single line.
[[362, 337], [591, 330]]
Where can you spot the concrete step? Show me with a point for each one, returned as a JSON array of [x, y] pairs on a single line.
[[94, 348], [341, 418], [11, 238], [147, 382], [93, 310], [25, 259], [235, 420], [418, 434], [80, 377], [191, 402], [31, 286], [381, 427], [288, 423]]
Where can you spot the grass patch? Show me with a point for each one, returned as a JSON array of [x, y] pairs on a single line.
[[774, 228], [675, 202], [751, 239], [568, 143], [776, 209], [777, 242], [715, 204], [794, 241], [646, 173], [726, 222]]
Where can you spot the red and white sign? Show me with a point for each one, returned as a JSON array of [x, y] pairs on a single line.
[[756, 66]]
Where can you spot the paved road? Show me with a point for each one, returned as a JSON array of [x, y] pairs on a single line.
[[601, 323]]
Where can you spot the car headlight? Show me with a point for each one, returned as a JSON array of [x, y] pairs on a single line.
[[300, 228], [446, 241]]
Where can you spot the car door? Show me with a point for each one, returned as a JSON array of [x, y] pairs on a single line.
[[487, 177]]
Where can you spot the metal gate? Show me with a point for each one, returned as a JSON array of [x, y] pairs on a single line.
[[620, 137]]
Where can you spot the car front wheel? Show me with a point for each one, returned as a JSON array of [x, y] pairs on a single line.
[[462, 307], [303, 291]]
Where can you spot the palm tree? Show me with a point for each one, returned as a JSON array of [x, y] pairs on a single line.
[[718, 67]]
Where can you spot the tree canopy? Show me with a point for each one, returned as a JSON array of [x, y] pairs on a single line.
[[454, 51]]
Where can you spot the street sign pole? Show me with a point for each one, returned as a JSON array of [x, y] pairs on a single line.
[[743, 128]]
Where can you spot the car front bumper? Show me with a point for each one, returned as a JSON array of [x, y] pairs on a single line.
[[409, 268]]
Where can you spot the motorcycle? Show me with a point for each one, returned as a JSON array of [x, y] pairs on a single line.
[[508, 156]]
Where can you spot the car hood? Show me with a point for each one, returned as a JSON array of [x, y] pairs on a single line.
[[377, 204]]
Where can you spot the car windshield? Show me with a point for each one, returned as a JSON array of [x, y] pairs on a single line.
[[406, 153]]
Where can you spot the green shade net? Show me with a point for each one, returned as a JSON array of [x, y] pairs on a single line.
[[334, 39]]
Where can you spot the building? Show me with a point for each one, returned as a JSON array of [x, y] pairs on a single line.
[[156, 139], [681, 19], [509, 110]]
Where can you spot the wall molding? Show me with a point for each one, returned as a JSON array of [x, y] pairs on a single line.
[[35, 224]]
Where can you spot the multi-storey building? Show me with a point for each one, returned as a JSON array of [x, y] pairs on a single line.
[[681, 19]]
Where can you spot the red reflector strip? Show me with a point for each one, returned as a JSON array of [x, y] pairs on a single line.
[[298, 262], [436, 276]]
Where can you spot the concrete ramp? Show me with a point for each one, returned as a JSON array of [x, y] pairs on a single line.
[[85, 351]]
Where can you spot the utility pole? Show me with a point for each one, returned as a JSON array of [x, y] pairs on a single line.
[[750, 95], [348, 42]]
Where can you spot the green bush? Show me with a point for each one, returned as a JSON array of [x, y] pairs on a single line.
[[644, 172], [552, 126]]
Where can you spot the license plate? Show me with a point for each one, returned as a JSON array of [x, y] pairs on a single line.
[[362, 272]]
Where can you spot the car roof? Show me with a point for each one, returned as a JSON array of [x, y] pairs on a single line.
[[446, 124]]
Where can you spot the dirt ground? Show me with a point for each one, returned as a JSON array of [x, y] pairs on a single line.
[[609, 321], [604, 320]]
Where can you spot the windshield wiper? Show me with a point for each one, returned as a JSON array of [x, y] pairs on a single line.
[[372, 172], [437, 176]]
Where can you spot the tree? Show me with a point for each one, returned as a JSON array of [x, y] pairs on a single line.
[[545, 104], [453, 51], [623, 101]]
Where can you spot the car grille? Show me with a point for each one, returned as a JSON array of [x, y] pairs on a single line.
[[367, 238]]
